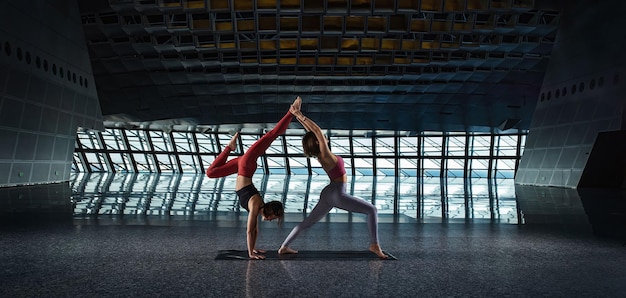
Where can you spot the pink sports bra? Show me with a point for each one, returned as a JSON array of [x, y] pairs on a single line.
[[339, 169]]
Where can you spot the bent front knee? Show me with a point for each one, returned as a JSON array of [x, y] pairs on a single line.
[[373, 211]]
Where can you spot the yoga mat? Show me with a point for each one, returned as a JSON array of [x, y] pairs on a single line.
[[306, 255]]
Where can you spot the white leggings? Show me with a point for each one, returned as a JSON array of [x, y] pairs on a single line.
[[334, 195]]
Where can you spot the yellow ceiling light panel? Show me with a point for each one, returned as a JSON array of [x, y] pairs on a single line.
[[326, 60], [337, 5], [364, 61], [401, 60], [477, 4], [371, 44], [219, 4], [465, 24], [288, 44], [409, 45], [247, 45], [384, 5], [223, 26], [289, 4], [389, 44], [420, 25], [194, 4], [243, 5], [249, 60], [430, 44], [245, 25], [268, 45], [506, 4], [169, 3], [441, 25], [227, 45], [288, 61], [349, 44], [269, 60], [408, 5], [376, 24], [309, 44], [305, 61], [333, 23], [355, 23], [200, 21], [266, 4], [454, 5], [432, 5], [313, 5], [361, 5], [420, 60], [345, 61], [451, 44], [342, 60]]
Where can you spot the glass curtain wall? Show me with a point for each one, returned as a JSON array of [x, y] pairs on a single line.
[[376, 154], [440, 176]]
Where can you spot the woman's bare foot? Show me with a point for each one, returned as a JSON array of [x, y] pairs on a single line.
[[286, 250], [233, 142], [259, 251], [375, 248], [256, 257]]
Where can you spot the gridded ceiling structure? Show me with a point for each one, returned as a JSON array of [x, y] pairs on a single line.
[[403, 65]]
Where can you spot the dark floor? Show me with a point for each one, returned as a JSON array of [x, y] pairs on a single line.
[[560, 250]]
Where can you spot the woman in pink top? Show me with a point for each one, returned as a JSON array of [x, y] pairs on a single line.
[[334, 194]]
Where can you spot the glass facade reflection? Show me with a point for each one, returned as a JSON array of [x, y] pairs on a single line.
[[190, 195]]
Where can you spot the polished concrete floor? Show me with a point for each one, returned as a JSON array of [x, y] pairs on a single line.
[[565, 243]]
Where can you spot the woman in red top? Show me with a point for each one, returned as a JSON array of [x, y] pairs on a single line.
[[245, 166], [334, 194]]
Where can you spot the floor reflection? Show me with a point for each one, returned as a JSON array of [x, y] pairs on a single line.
[[606, 211], [428, 200], [148, 198]]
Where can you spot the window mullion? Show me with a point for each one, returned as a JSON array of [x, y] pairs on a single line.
[[106, 154], [82, 156], [172, 141], [149, 153], [129, 152], [490, 169]]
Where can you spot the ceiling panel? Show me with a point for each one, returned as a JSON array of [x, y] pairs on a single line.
[[358, 64]]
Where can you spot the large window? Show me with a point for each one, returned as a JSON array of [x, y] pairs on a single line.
[[366, 153]]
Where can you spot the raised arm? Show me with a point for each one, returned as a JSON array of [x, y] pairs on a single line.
[[311, 126], [252, 228]]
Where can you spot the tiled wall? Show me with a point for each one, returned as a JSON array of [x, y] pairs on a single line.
[[47, 90], [582, 95]]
